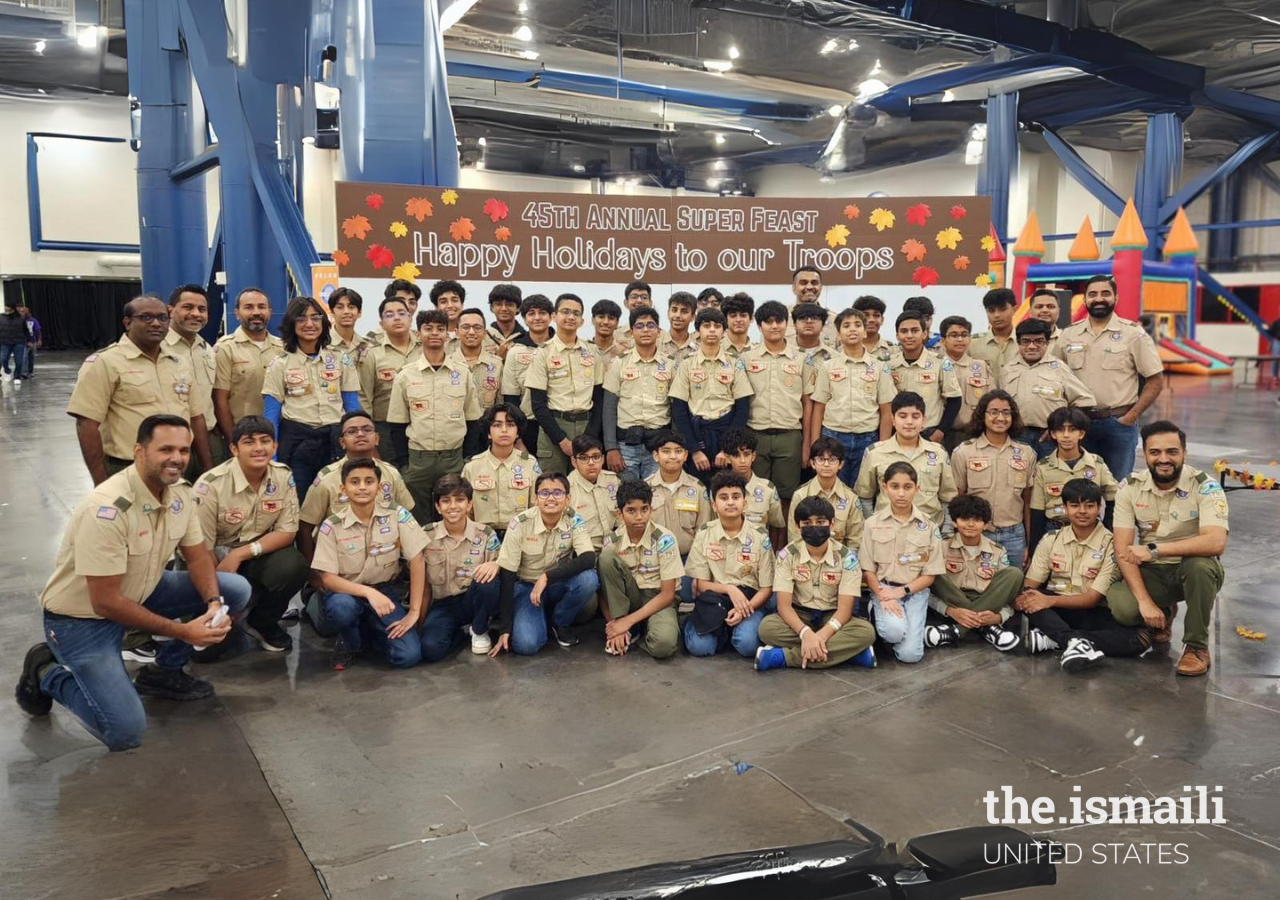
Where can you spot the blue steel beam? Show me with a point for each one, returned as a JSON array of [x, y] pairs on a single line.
[[1000, 162], [1160, 174], [1197, 186], [1084, 173], [199, 164]]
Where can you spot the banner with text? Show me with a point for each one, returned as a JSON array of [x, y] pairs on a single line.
[[405, 231]]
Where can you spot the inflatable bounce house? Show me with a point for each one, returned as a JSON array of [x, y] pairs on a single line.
[[1166, 290]]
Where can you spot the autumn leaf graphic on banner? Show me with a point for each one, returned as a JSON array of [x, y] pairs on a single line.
[[958, 212], [837, 236], [462, 229], [407, 271], [988, 243], [852, 212], [502, 233], [449, 197], [374, 202], [356, 227], [379, 256], [918, 214], [984, 281], [948, 238], [913, 250], [341, 258], [925, 276], [399, 229], [881, 218], [418, 207], [961, 263], [495, 209]]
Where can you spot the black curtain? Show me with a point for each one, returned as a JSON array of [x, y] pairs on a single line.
[[75, 314]]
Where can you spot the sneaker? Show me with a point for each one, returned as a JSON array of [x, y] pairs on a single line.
[[866, 659], [144, 652], [480, 643], [1080, 655], [1001, 639], [17, 383], [341, 658], [273, 638], [32, 700], [1037, 641], [945, 635], [564, 636], [770, 658], [171, 684]]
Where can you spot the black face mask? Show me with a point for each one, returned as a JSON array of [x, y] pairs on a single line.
[[815, 535]]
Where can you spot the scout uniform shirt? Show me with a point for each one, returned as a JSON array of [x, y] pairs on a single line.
[[1042, 388], [1066, 565], [930, 376], [997, 474], [846, 527], [933, 471], [327, 496], [975, 380], [681, 507], [744, 560], [763, 505], [120, 529], [519, 358], [677, 352], [495, 340], [972, 568], [567, 374], [1195, 502], [883, 350], [452, 561], [367, 554], [779, 382], [199, 356], [711, 384], [1110, 362], [595, 503], [233, 514], [653, 559], [310, 388], [378, 369], [501, 488], [436, 402], [986, 346], [852, 390], [530, 548], [486, 375], [641, 387], [733, 351], [817, 584], [607, 355], [358, 347], [816, 356], [900, 552], [120, 386], [1052, 473], [240, 365]]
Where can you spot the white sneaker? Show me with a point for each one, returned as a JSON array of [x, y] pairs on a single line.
[[1039, 642], [1000, 638], [1080, 655], [17, 383], [480, 643]]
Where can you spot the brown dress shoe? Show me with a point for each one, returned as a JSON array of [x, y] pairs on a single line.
[[1165, 635], [1195, 661]]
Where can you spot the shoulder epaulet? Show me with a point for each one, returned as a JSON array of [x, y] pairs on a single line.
[[706, 525], [122, 504], [1201, 477], [972, 440], [334, 519]]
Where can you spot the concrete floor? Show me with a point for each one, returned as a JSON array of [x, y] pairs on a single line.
[[454, 780]]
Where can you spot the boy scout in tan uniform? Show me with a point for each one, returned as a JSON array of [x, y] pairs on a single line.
[[641, 386], [309, 388], [569, 375], [762, 505], [677, 352], [711, 386], [1052, 473], [501, 488], [1066, 565], [378, 369], [928, 375], [486, 375], [846, 525], [327, 497], [595, 503], [998, 474], [632, 573], [745, 560], [997, 354], [240, 364], [517, 363], [977, 578], [932, 465], [681, 507], [851, 391], [779, 383], [457, 601], [1041, 388], [975, 380]]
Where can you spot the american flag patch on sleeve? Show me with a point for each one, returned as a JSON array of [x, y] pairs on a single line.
[[107, 512]]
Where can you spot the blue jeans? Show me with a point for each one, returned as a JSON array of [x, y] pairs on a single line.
[[1014, 541], [640, 462], [565, 599], [16, 352], [442, 631], [905, 632], [744, 637], [855, 445], [357, 624], [90, 679], [1115, 443]]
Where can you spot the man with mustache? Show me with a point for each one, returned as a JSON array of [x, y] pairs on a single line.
[[1111, 355], [241, 359]]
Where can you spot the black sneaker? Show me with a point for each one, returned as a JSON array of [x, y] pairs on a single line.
[[273, 638], [564, 636], [140, 652], [945, 635], [341, 658], [32, 700], [171, 684]]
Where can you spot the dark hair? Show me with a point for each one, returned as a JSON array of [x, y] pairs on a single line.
[[447, 286], [664, 436], [251, 425], [451, 486], [1093, 279], [814, 269], [813, 506], [727, 478], [354, 414], [631, 490], [740, 302], [682, 298], [472, 311], [906, 400], [382, 307], [584, 442], [147, 427], [846, 314], [345, 293], [643, 312], [352, 465], [809, 311], [827, 446], [1033, 327], [1163, 426], [908, 315], [176, 293], [513, 411], [637, 286], [551, 476], [511, 293], [978, 425], [1081, 490], [869, 303], [566, 298], [736, 439], [255, 290], [400, 284], [901, 467], [536, 301], [606, 308], [709, 292], [771, 311], [129, 307], [919, 304], [999, 298], [1068, 415], [297, 308], [709, 314], [432, 317], [1045, 292], [951, 321], [968, 506]]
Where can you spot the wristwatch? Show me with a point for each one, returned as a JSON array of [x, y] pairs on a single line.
[[217, 599], [1154, 549]]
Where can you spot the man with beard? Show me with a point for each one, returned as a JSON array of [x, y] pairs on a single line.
[[806, 287], [1179, 516], [1110, 355], [110, 576], [188, 313], [1044, 306], [241, 359]]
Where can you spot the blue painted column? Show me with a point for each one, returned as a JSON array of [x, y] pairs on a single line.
[[1160, 175], [1000, 162]]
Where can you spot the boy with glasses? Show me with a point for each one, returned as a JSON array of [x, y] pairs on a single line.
[[485, 369], [381, 364], [826, 455], [635, 399], [593, 489], [974, 376], [565, 385], [1040, 384]]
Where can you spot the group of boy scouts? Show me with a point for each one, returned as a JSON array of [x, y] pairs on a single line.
[[457, 477]]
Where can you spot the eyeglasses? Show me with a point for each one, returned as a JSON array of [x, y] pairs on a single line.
[[828, 460], [557, 494], [398, 314], [1000, 413], [311, 320], [470, 328], [590, 458], [359, 429], [645, 326], [1033, 342], [148, 318], [569, 313]]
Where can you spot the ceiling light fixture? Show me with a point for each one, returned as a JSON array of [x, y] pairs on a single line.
[[523, 33], [40, 45], [830, 46], [719, 66], [733, 53], [579, 168], [835, 110]]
